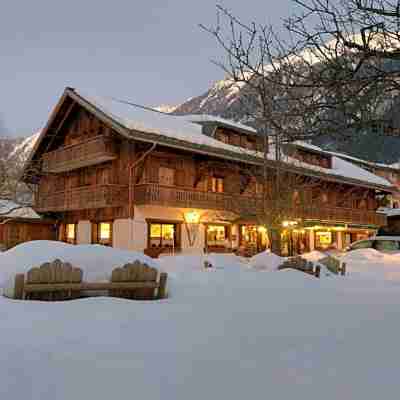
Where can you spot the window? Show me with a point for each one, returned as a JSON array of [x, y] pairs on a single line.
[[323, 239], [166, 176], [296, 198], [217, 184], [104, 233], [217, 235], [251, 144], [259, 188], [163, 235], [102, 176], [223, 137], [70, 233]]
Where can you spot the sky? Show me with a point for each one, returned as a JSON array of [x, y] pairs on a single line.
[[150, 52]]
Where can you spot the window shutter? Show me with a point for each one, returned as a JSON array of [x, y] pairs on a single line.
[[180, 177], [95, 233]]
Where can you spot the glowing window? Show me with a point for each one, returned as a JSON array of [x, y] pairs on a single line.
[[217, 184], [162, 235], [216, 235], [70, 229], [324, 238], [105, 231]]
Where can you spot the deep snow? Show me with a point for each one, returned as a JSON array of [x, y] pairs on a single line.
[[229, 333]]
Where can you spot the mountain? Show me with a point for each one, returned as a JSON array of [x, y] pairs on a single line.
[[222, 99], [17, 149], [225, 98], [14, 152]]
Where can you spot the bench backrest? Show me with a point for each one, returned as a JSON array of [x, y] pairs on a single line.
[[135, 272], [51, 273], [62, 281]]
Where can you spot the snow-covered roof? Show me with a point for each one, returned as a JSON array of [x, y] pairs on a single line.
[[10, 209], [346, 168], [394, 166], [389, 212], [182, 132], [205, 118], [186, 128]]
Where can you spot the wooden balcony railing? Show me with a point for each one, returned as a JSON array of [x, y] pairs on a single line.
[[154, 194], [90, 152], [186, 198], [84, 198]]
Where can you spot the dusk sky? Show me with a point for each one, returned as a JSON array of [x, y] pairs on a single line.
[[150, 52]]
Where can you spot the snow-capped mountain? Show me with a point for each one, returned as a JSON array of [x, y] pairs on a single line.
[[23, 148], [17, 149], [226, 99], [14, 152], [222, 99]]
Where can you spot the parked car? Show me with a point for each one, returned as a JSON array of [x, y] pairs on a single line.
[[385, 244]]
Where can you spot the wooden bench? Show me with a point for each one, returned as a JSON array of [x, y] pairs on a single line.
[[300, 264], [61, 281]]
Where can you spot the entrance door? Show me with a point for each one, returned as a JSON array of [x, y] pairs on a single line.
[[254, 237]]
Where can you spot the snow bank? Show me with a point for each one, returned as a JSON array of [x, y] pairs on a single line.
[[287, 335], [369, 263], [266, 261], [96, 261], [314, 256], [189, 263]]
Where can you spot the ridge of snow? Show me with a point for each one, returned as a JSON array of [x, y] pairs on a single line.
[[201, 118], [166, 108]]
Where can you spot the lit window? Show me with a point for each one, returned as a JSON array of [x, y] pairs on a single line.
[[324, 238], [105, 231], [70, 233], [217, 185], [216, 235], [162, 235]]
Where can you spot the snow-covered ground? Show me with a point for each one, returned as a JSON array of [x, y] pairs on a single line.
[[232, 332]]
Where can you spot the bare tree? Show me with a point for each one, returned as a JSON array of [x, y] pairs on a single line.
[[274, 106], [11, 188], [335, 76]]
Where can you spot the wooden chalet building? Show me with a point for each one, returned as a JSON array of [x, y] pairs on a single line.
[[20, 224], [114, 173]]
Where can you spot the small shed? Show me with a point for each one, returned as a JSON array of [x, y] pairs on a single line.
[[19, 224]]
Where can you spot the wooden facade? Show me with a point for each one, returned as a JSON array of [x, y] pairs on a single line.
[[14, 231], [87, 170]]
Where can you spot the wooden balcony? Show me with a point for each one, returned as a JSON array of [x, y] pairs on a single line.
[[168, 196], [154, 194], [84, 198], [90, 152]]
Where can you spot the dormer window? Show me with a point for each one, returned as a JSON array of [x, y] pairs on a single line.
[[251, 144], [223, 137]]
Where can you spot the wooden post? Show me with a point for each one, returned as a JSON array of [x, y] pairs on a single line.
[[343, 269], [19, 286], [317, 271], [162, 291]]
